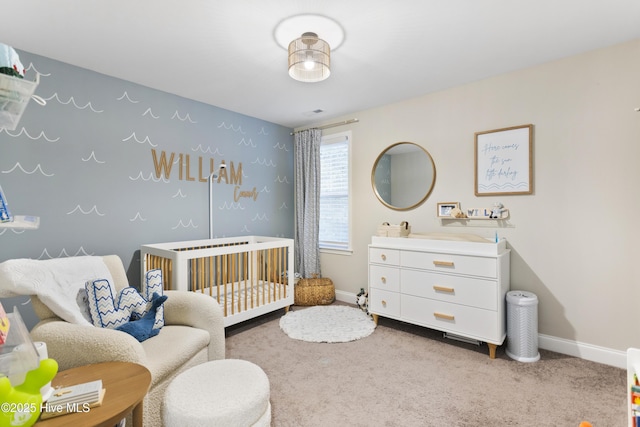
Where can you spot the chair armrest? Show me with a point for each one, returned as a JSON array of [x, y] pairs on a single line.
[[198, 311], [74, 345]]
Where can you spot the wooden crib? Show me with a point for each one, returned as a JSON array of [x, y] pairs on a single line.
[[248, 276]]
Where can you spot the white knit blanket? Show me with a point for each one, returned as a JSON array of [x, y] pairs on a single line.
[[59, 283]]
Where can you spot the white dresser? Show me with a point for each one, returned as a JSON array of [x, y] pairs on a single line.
[[455, 286]]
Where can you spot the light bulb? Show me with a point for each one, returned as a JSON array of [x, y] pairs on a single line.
[[309, 64]]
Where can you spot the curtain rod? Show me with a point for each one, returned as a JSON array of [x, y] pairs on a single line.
[[331, 125]]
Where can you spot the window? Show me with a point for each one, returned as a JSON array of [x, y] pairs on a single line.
[[335, 200]]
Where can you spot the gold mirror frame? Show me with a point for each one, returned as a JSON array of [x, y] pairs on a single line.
[[421, 173]]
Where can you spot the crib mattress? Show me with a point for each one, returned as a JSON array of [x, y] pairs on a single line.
[[244, 296]]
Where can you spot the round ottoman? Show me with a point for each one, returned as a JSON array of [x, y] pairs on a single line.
[[226, 393]]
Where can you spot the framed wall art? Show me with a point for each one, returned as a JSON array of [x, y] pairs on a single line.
[[504, 161]]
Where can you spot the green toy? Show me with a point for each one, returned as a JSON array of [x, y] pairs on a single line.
[[21, 405]]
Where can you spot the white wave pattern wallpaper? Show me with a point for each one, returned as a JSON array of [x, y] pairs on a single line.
[[109, 165]]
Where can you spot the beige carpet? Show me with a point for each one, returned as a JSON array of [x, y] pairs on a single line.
[[403, 375]]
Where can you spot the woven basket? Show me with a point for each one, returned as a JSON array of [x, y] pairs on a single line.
[[394, 230], [314, 291]]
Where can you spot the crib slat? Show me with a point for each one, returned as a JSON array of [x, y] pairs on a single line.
[[261, 274], [252, 276], [277, 283], [233, 283], [244, 281], [198, 285], [270, 274], [210, 276], [224, 281], [218, 283]]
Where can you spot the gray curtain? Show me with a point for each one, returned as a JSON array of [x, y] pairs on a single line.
[[307, 168]]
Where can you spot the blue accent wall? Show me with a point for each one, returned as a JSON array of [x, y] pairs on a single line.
[[109, 165]]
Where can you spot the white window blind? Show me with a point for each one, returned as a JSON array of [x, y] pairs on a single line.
[[335, 201]]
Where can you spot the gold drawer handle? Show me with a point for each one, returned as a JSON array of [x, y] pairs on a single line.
[[443, 263], [383, 279], [384, 303], [384, 257], [444, 316], [443, 289]]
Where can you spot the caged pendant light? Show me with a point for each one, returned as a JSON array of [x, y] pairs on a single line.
[[309, 58]]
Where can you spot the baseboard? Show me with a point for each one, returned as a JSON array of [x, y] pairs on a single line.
[[347, 297], [585, 351]]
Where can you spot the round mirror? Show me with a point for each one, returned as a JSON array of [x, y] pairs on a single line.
[[403, 176]]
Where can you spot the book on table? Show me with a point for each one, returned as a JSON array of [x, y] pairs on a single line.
[[75, 398], [78, 393]]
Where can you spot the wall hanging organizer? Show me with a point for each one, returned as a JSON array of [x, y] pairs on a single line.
[[15, 90], [15, 94]]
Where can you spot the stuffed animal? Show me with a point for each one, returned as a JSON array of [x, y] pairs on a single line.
[[10, 62], [142, 329], [362, 300], [457, 213], [21, 405], [497, 210]]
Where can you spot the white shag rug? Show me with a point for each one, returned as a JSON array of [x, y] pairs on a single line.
[[327, 323]]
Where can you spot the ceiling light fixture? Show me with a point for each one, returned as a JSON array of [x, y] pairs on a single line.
[[309, 58]]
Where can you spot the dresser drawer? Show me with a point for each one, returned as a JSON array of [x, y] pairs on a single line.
[[483, 325], [461, 264], [384, 256], [384, 303], [383, 277], [470, 291]]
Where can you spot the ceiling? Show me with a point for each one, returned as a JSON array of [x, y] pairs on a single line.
[[224, 53]]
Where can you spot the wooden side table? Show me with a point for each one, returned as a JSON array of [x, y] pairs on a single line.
[[126, 385]]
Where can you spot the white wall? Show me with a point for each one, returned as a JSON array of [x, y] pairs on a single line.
[[574, 241]]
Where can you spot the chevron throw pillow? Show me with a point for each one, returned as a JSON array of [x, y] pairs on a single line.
[[111, 309]]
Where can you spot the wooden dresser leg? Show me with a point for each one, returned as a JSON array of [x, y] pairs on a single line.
[[286, 309], [492, 350], [375, 319]]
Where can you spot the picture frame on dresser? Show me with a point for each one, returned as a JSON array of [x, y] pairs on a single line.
[[504, 161]]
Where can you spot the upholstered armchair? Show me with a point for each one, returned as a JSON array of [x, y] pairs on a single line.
[[193, 333]]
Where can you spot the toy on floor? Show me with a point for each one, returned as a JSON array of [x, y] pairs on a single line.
[[21, 405], [362, 300], [585, 424]]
